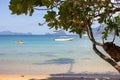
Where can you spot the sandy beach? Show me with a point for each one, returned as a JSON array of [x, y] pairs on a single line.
[[39, 77], [23, 77], [50, 77]]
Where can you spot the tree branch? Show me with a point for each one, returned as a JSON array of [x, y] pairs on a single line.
[[110, 11], [55, 5], [40, 9], [90, 35]]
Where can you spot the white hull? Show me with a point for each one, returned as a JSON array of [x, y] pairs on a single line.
[[64, 39]]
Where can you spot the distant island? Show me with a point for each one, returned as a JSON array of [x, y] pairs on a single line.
[[14, 33], [29, 33], [96, 31], [61, 32]]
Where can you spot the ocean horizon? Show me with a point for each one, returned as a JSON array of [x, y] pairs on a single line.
[[42, 54]]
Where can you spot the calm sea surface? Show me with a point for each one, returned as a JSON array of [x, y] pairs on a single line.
[[42, 54]]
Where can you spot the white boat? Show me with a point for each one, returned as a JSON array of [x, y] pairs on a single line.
[[20, 42], [64, 39]]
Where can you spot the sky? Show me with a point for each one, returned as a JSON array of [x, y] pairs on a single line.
[[21, 23]]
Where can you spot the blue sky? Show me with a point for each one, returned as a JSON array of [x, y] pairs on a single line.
[[21, 23]]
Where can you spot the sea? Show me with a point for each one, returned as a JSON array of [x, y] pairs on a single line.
[[41, 54]]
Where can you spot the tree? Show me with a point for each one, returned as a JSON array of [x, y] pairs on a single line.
[[77, 16]]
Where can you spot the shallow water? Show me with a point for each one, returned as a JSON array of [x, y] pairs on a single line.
[[41, 54]]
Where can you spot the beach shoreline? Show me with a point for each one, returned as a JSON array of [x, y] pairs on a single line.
[[59, 76]]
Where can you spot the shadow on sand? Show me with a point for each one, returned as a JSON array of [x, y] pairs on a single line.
[[64, 78], [69, 75], [59, 61], [79, 77]]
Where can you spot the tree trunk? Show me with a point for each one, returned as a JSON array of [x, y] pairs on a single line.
[[100, 54], [112, 50], [107, 59]]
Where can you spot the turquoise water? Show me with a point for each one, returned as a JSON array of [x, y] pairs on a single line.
[[41, 54]]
